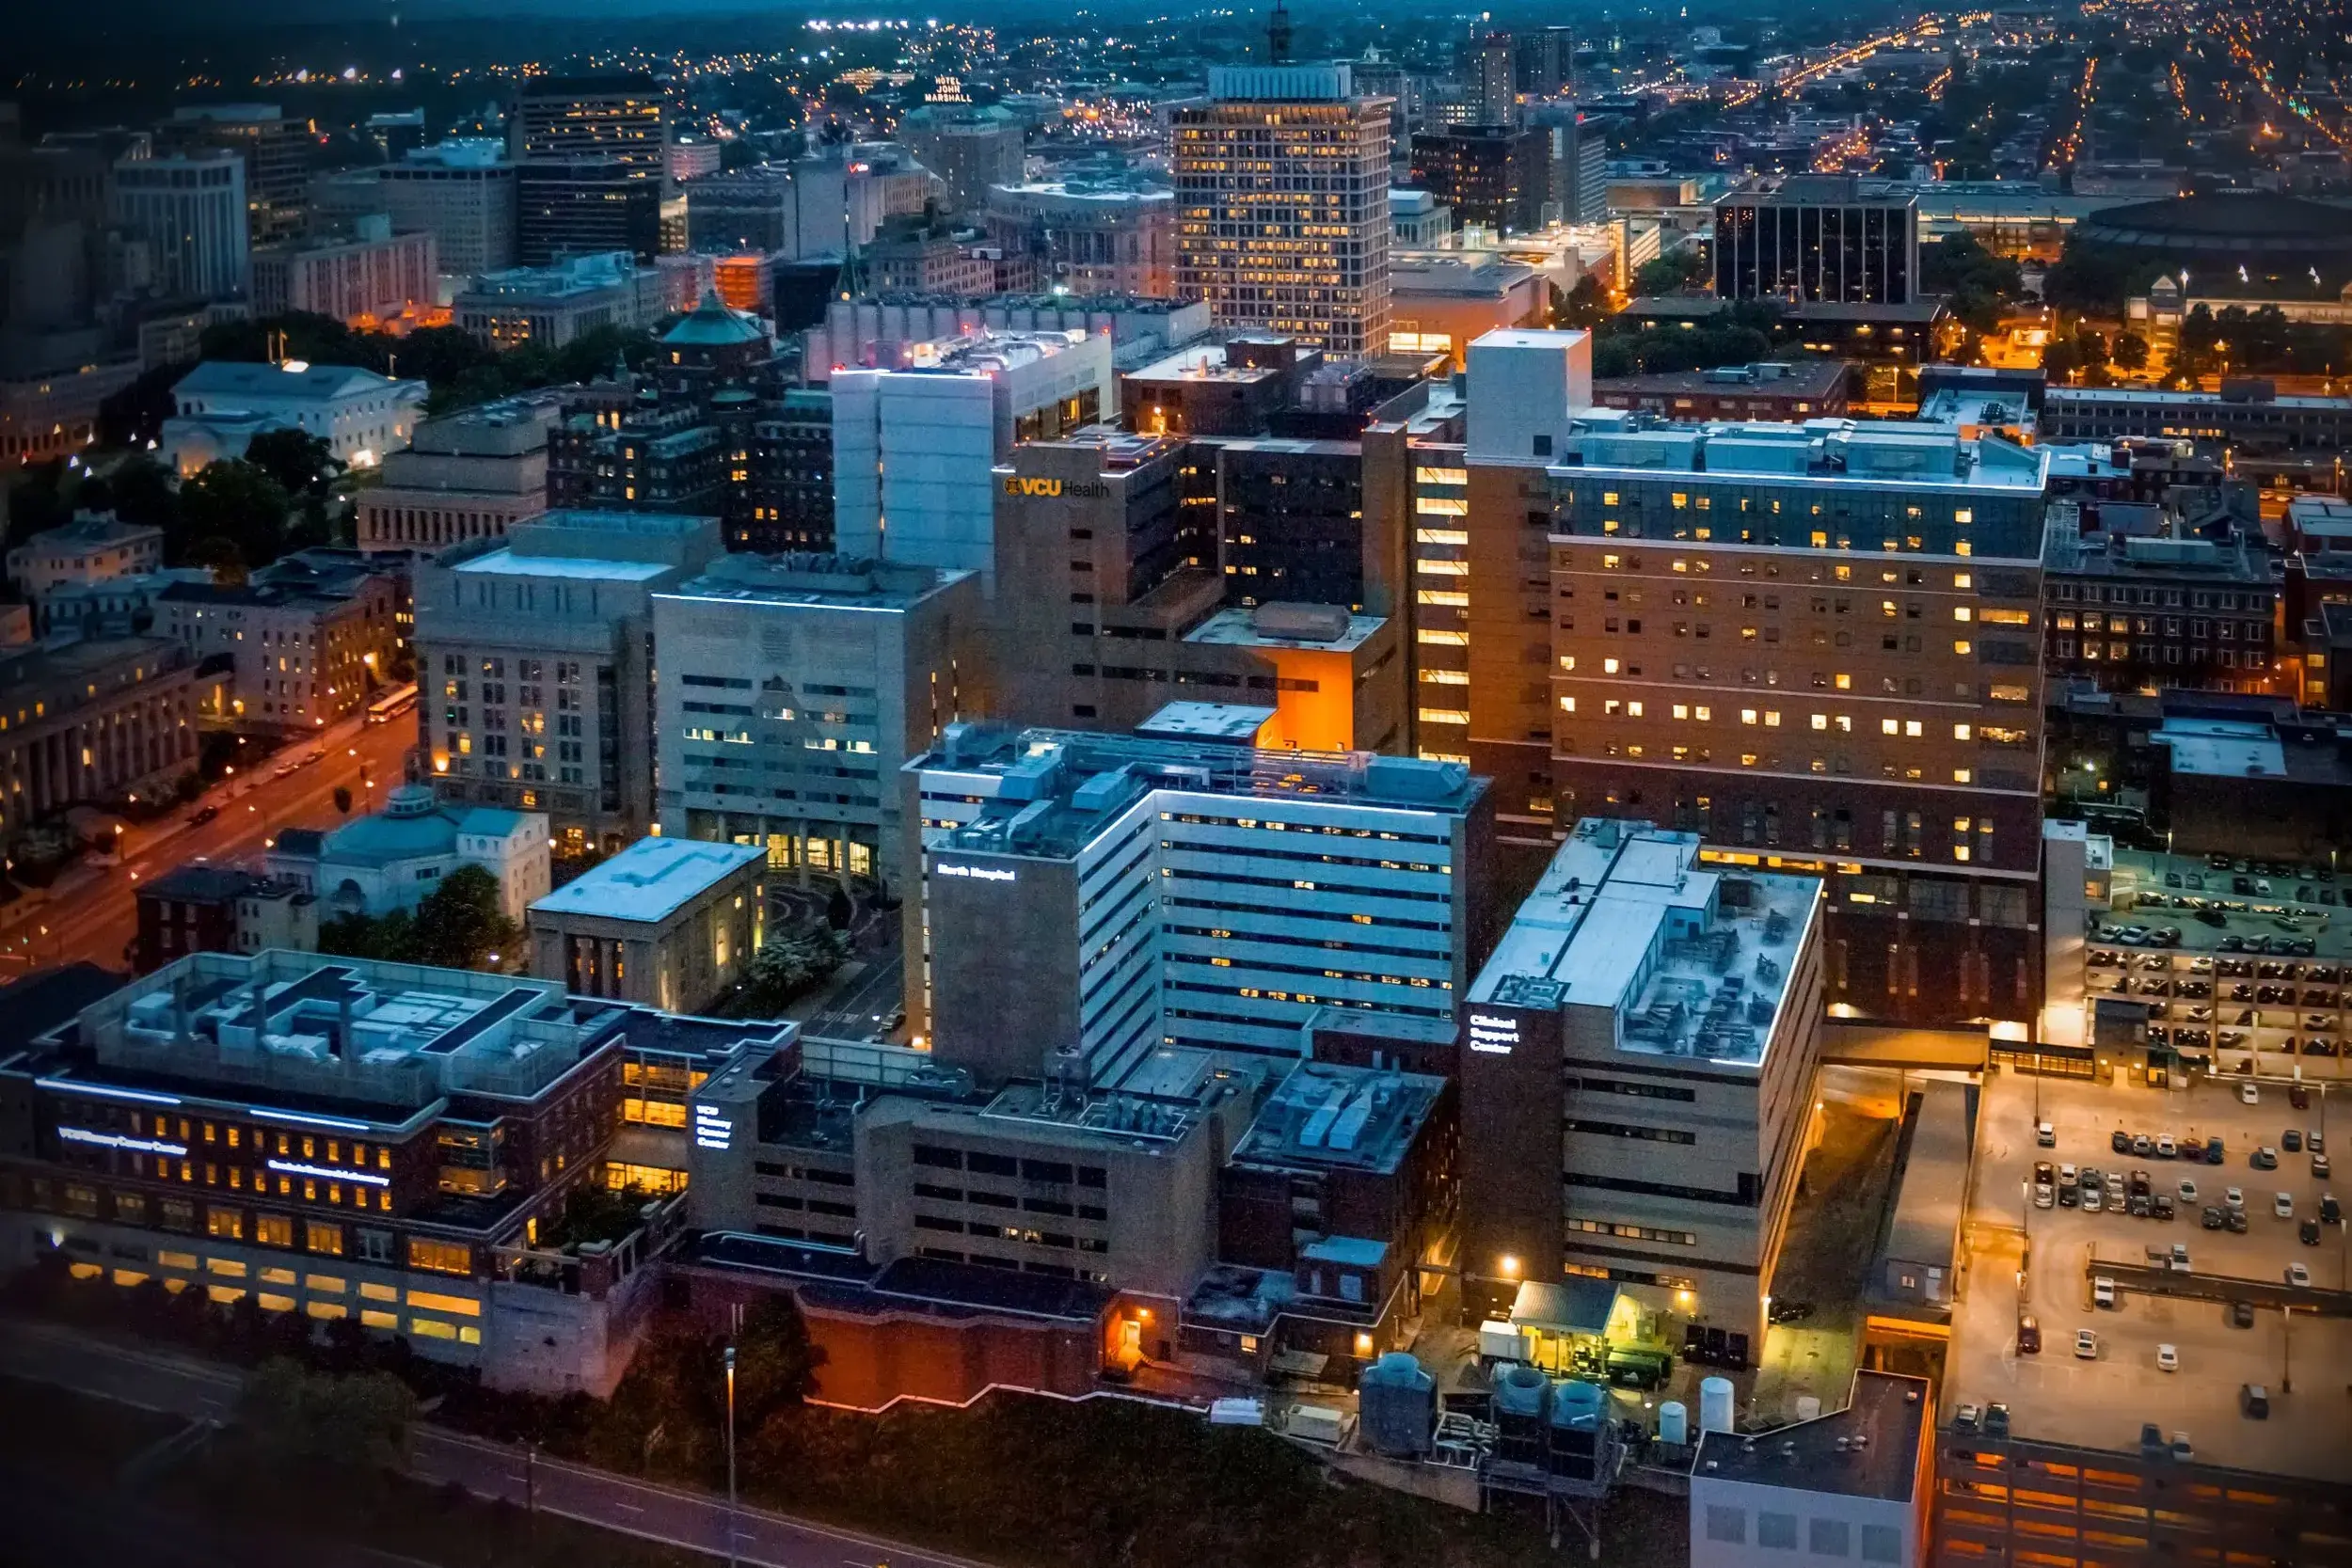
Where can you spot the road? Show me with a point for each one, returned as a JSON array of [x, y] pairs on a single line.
[[155, 1380], [92, 914]]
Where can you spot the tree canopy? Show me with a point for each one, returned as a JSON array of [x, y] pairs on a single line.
[[459, 924]]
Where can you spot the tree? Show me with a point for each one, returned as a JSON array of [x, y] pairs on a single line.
[[144, 493], [1668, 274], [300, 462], [1583, 306], [299, 1418], [786, 965], [2131, 351], [236, 502], [462, 922]]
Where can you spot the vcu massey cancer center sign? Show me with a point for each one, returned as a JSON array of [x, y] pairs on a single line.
[[1074, 489]]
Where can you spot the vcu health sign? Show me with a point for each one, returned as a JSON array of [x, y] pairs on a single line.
[[1078, 489]]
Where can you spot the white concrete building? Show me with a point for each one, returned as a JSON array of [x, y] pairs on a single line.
[[392, 860], [914, 448], [222, 404], [1180, 893], [93, 548], [794, 687], [552, 305]]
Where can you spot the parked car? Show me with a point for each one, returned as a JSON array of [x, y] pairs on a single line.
[[2213, 1220], [2248, 1095], [2308, 1232], [2188, 1189], [2241, 1314], [2331, 1211], [2255, 1400], [2121, 1142], [2046, 1135], [2167, 1358], [2264, 1157], [2028, 1337], [2234, 1197], [2298, 1276], [2165, 1148], [2291, 1140], [2299, 1097], [2086, 1343], [203, 814], [2103, 1293], [2282, 1205]]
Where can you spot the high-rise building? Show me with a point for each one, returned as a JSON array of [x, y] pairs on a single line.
[[1283, 204], [1580, 165], [1542, 60], [190, 212], [1809, 648], [1492, 77], [793, 690], [368, 277], [534, 666], [914, 448], [1119, 867], [1499, 176], [590, 155], [970, 146], [462, 193], [275, 149], [1818, 238], [1639, 1053]]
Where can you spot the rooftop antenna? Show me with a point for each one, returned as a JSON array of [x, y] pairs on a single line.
[[1278, 34]]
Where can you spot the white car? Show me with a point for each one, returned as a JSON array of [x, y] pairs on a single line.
[[2165, 1148], [2067, 1174], [2234, 1197], [2102, 1291], [2188, 1191], [2167, 1359], [2297, 1275], [2248, 1095], [2045, 1136], [2087, 1341], [2093, 1200], [2043, 1194], [2282, 1205]]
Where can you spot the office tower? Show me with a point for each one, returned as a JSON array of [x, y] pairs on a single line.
[[914, 448], [1543, 58], [396, 135], [970, 146], [590, 156], [793, 690], [534, 666], [462, 193], [1130, 873], [1127, 525], [1579, 166], [808, 207], [790, 481], [275, 149], [1636, 1081], [1283, 204], [1817, 238], [1494, 175], [190, 213], [1808, 648], [1094, 232]]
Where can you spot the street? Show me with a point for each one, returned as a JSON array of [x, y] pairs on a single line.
[[92, 912], [165, 1382]]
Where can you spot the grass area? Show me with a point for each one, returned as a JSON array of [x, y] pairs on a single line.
[[83, 1442]]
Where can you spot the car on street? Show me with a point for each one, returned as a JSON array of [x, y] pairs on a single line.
[[2241, 1314], [2291, 1140], [2188, 1189], [2028, 1337], [2331, 1212], [203, 814], [2167, 1358], [2264, 1157], [2046, 1135], [2213, 1220], [2298, 1276], [2282, 1205], [2308, 1232], [2086, 1343], [2320, 1168], [2234, 1197]]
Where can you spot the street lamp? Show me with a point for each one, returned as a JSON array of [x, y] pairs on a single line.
[[731, 1503]]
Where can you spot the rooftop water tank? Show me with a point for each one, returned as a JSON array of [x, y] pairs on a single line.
[[1716, 1404], [1674, 1423], [1398, 1406]]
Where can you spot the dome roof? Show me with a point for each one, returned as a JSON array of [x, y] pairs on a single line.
[[712, 325], [2243, 223]]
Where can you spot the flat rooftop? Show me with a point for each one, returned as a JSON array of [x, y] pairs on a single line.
[[1248, 628], [1868, 1449], [1327, 1115], [1048, 793], [1693, 962], [1924, 1227], [304, 1029], [1235, 721], [1832, 453], [504, 561], [650, 881], [817, 580]]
